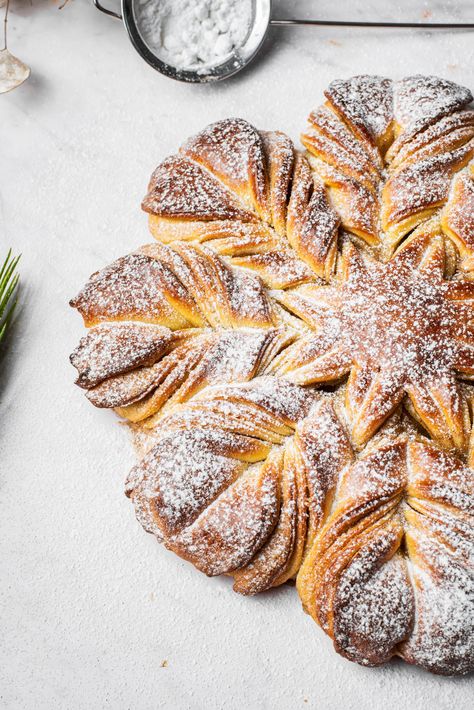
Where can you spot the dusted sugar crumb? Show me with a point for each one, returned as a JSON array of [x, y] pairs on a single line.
[[193, 34]]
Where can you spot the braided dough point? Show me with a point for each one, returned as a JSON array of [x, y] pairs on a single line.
[[391, 571]]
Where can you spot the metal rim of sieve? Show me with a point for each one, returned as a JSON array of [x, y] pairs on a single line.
[[240, 58]]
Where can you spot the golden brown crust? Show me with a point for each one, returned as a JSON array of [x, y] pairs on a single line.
[[296, 351], [373, 327], [390, 571], [458, 217], [365, 104], [252, 178], [388, 152]]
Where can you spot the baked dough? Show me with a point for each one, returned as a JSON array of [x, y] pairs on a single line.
[[295, 351]]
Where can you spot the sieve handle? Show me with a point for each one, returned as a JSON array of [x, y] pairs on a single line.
[[348, 23], [106, 11]]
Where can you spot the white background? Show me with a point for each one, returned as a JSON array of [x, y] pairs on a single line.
[[91, 606]]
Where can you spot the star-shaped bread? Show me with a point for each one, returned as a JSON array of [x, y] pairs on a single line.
[[394, 329], [293, 355]]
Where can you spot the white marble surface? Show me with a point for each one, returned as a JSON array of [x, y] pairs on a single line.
[[91, 606]]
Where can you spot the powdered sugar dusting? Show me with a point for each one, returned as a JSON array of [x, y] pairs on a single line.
[[181, 188], [366, 102], [231, 531], [248, 469], [396, 328], [112, 349], [194, 34], [419, 100], [375, 605], [443, 635], [233, 151], [424, 184], [407, 557]]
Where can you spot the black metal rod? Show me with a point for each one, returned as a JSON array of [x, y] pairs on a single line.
[[344, 23]]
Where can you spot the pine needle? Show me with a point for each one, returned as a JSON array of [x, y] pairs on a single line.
[[8, 287]]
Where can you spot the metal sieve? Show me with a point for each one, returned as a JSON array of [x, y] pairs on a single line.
[[240, 57]]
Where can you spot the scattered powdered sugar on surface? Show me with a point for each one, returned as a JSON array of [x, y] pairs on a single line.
[[125, 388], [442, 479], [460, 214], [379, 476], [422, 596], [247, 297], [193, 34], [133, 286], [405, 145], [318, 224], [278, 269], [328, 124], [234, 355], [336, 154], [357, 206], [324, 449], [280, 398]]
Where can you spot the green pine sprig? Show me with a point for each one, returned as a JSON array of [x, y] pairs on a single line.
[[8, 287]]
